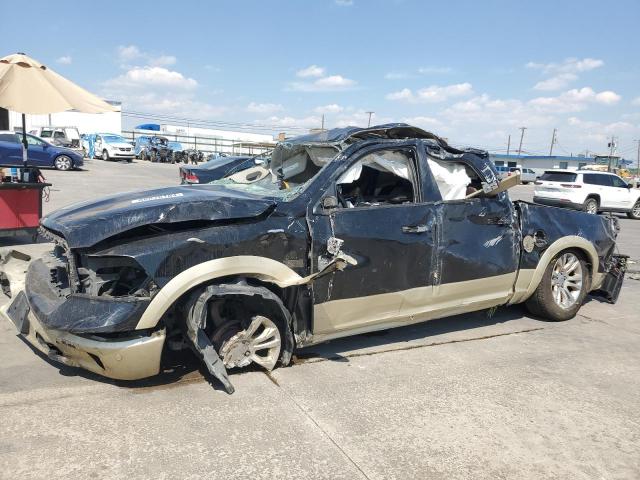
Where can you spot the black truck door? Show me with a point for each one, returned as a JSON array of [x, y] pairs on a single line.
[[382, 222]]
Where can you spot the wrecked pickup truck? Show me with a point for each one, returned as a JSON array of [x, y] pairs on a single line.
[[341, 232]]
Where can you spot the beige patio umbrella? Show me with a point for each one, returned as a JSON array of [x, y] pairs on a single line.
[[27, 86]]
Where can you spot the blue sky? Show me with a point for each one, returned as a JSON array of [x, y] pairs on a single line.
[[471, 71]]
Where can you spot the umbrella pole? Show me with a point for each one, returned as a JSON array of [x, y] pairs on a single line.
[[25, 145]]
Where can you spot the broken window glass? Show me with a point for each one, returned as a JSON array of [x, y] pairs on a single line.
[[379, 178]]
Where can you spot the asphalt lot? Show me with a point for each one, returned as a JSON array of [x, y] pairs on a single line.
[[472, 396]]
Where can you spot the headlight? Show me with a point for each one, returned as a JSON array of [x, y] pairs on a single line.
[[114, 277]]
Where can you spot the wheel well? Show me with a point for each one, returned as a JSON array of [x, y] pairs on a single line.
[[595, 196], [288, 296]]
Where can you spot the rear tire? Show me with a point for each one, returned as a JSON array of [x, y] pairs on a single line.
[[564, 286], [635, 211], [591, 206]]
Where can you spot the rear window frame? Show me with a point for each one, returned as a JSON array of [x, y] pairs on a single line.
[[571, 177]]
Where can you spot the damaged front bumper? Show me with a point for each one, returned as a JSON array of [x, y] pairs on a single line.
[[93, 333]]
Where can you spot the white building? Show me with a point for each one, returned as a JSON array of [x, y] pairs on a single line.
[[208, 139], [187, 131], [110, 122]]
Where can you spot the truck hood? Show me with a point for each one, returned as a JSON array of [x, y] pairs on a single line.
[[85, 224]]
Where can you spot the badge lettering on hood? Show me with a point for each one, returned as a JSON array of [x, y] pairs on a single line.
[[157, 197]]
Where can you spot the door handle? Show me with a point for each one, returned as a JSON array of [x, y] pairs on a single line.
[[414, 229]]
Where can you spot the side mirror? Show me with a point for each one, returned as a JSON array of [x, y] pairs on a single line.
[[629, 186], [329, 203]]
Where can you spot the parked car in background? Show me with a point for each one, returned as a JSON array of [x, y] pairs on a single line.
[[68, 137], [153, 147], [215, 169], [110, 146], [527, 175], [177, 152], [41, 154], [587, 190]]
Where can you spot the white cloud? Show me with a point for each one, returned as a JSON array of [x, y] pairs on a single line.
[[432, 94], [556, 82], [306, 122], [564, 73], [397, 76], [140, 77], [264, 107], [334, 82], [636, 102], [574, 100], [128, 53], [404, 94], [569, 65], [310, 71], [332, 108], [162, 61], [344, 3], [434, 70], [423, 122], [64, 60], [324, 84]]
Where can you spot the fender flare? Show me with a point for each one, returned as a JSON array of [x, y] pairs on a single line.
[[262, 268], [528, 280]]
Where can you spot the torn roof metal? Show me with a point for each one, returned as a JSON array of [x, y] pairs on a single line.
[[342, 137]]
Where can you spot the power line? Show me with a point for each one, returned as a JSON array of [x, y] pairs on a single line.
[[209, 123]]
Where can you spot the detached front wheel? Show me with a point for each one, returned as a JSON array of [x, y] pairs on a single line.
[[564, 286], [245, 325]]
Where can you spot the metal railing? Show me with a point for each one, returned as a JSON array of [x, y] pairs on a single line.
[[209, 144]]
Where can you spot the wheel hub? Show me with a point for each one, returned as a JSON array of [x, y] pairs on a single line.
[[566, 280], [260, 343]]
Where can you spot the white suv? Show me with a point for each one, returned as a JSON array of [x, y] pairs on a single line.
[[587, 190]]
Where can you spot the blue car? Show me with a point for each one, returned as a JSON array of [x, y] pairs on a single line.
[[40, 153]]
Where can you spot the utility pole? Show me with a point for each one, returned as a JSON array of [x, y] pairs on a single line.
[[522, 129], [508, 144], [612, 146], [553, 141], [322, 127], [370, 113]]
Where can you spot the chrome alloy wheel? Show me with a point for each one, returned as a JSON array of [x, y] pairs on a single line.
[[259, 343], [566, 280], [636, 210], [62, 162]]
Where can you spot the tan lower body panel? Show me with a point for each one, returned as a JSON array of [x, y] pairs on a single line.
[[340, 318], [129, 359]]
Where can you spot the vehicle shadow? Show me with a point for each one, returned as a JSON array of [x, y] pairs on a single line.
[[375, 342], [180, 368]]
